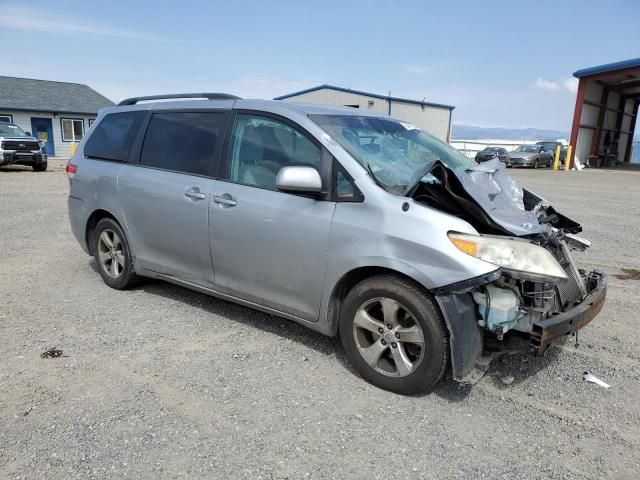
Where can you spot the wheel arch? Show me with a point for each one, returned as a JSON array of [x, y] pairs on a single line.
[[350, 279], [93, 220]]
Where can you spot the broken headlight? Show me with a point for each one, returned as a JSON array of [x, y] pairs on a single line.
[[520, 258]]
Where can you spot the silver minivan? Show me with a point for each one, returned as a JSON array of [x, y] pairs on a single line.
[[349, 222]]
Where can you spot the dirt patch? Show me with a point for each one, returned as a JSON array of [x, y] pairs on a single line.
[[628, 274]]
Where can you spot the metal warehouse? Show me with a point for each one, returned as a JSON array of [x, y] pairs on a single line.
[[56, 113], [434, 118], [606, 111]]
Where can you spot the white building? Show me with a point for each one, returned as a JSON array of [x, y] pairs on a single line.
[[57, 113], [434, 118]]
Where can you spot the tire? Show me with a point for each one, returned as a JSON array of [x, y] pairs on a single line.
[[536, 164], [114, 264], [411, 312], [39, 167]]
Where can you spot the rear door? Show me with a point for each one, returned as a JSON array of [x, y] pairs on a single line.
[[166, 195], [270, 247]]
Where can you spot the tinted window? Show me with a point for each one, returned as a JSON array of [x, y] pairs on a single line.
[[262, 146], [183, 142], [112, 138]]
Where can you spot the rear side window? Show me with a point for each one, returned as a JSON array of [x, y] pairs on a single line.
[[111, 139], [183, 142]]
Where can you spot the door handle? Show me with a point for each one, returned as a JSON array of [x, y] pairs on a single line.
[[195, 193], [224, 199]]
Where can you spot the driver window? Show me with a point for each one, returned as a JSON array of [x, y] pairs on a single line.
[[261, 146]]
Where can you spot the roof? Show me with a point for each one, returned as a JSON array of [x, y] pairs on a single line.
[[609, 67], [27, 94], [367, 94]]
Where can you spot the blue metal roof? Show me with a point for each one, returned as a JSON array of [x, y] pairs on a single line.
[[368, 94], [609, 67]]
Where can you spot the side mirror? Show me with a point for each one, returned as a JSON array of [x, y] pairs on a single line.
[[299, 180], [28, 134]]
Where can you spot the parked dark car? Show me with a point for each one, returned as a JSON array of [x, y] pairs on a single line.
[[531, 156], [552, 146], [490, 153]]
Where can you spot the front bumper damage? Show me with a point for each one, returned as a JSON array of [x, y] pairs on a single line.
[[557, 327], [543, 319]]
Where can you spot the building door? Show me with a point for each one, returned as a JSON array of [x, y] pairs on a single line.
[[42, 129]]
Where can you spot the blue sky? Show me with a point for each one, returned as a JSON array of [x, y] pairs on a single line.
[[501, 63]]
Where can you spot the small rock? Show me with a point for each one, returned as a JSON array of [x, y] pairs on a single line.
[[508, 380]]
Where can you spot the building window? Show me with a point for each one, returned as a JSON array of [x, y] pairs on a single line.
[[72, 129], [6, 118], [91, 120]]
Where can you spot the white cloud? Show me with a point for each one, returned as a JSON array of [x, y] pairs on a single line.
[[570, 84], [41, 20], [547, 85]]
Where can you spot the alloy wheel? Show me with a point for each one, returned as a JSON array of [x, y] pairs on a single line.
[[388, 337], [110, 253]]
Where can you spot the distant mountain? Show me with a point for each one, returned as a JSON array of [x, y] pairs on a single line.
[[474, 132]]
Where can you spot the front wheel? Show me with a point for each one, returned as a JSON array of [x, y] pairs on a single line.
[[536, 164], [394, 335], [39, 167]]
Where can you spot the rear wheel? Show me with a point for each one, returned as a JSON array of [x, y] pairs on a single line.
[[113, 255], [536, 164], [394, 334]]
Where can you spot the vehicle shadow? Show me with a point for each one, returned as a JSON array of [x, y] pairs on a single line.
[[287, 329], [15, 169], [519, 365]]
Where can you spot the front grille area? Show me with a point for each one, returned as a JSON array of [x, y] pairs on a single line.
[[20, 146], [570, 291]]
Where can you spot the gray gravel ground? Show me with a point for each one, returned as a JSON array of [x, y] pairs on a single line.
[[161, 382]]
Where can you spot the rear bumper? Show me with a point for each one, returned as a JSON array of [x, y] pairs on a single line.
[[559, 326]]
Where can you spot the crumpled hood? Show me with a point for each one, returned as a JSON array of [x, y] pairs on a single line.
[[500, 196], [488, 198]]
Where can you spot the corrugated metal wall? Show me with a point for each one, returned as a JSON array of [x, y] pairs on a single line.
[[589, 117], [431, 119]]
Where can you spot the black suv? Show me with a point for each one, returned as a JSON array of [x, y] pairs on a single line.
[[18, 147]]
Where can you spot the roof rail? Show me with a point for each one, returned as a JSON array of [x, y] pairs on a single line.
[[209, 96]]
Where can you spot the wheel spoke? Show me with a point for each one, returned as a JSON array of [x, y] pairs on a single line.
[[120, 258], [390, 310], [372, 353], [410, 335], [403, 364], [104, 257], [104, 238], [364, 320], [117, 243], [115, 268]]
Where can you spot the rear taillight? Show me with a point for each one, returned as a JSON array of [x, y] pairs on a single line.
[[71, 169]]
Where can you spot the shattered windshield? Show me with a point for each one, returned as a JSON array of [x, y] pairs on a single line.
[[393, 151]]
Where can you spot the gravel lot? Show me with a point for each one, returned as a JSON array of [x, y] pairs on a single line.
[[161, 382]]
